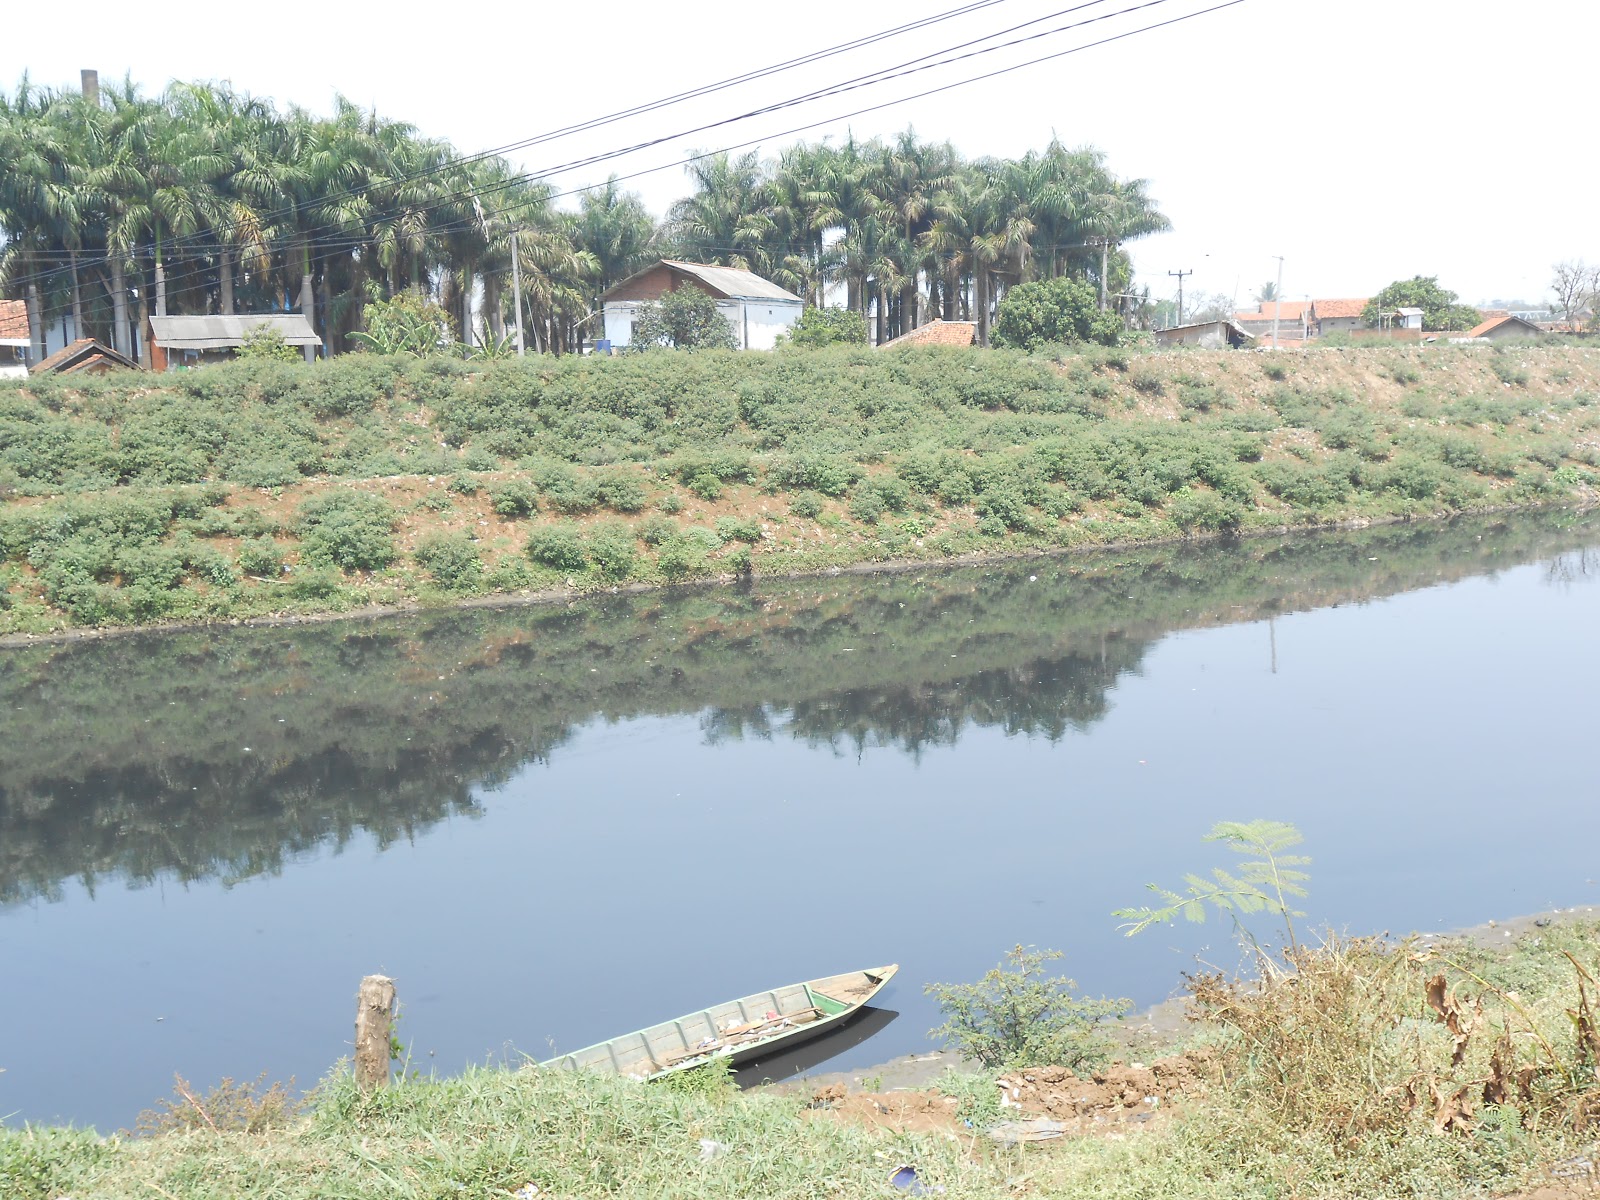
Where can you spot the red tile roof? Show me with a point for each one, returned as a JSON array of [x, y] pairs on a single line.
[[1290, 310], [1326, 309], [937, 333], [1495, 322], [13, 320]]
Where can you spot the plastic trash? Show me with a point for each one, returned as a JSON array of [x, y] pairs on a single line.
[[526, 1192], [710, 1150], [905, 1178]]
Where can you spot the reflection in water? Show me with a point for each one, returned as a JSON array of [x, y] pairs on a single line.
[[564, 822], [809, 1055], [225, 754]]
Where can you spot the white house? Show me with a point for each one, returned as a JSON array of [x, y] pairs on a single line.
[[758, 309], [14, 339]]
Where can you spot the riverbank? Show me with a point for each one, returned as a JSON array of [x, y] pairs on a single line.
[[1345, 1079], [267, 492]]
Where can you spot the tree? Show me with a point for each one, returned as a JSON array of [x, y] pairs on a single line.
[[1267, 293], [828, 327], [1576, 288], [684, 319], [409, 323], [1439, 307], [1053, 312], [1216, 307]]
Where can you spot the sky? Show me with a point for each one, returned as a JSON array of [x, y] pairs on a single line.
[[1362, 141]]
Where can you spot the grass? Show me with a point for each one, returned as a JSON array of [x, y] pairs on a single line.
[[255, 489], [1310, 1099]]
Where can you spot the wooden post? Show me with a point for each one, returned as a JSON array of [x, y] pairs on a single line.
[[374, 1024]]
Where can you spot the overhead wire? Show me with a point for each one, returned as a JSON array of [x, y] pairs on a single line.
[[806, 127]]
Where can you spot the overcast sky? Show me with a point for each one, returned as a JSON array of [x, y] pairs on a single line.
[[1363, 141]]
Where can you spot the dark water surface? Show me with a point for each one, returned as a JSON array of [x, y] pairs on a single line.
[[552, 825]]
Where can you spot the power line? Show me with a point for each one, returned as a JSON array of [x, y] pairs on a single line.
[[267, 216], [998, 72]]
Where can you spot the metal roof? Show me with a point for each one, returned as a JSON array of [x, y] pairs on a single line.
[[732, 283], [224, 333]]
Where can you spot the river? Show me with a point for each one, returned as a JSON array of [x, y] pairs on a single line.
[[557, 823]]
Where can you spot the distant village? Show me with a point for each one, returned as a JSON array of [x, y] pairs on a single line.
[[1294, 323]]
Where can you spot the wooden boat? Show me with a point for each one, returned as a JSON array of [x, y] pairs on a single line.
[[741, 1030]]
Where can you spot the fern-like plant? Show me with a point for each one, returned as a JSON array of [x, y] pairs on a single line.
[[1263, 884]]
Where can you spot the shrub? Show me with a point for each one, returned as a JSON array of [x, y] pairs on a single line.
[[463, 485], [514, 498], [819, 327], [558, 546], [266, 343], [613, 548], [350, 530], [825, 473], [806, 504], [1017, 1016], [1190, 509], [681, 556], [261, 556], [738, 529], [706, 485], [669, 504], [1053, 312], [452, 559], [622, 491], [653, 531], [1275, 369], [866, 506], [684, 319]]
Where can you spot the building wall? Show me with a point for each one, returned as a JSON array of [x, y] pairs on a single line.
[[756, 323], [649, 286], [1327, 325], [1209, 337]]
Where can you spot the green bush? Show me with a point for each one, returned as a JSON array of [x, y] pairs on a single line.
[[1053, 312], [1208, 511], [452, 559], [706, 485], [350, 530], [514, 498], [738, 529], [807, 504], [558, 546], [261, 556], [463, 485], [826, 473], [653, 531], [818, 327], [681, 556], [621, 491], [613, 549], [1018, 1016], [866, 506]]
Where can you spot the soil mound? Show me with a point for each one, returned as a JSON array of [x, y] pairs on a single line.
[[1121, 1093]]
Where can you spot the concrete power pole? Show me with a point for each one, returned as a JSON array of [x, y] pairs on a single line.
[[1180, 275], [1277, 302]]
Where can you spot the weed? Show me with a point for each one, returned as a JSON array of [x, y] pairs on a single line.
[[247, 1107], [452, 559], [514, 498], [347, 529], [558, 546]]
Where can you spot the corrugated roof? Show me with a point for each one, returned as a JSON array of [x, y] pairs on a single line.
[[732, 283], [14, 322], [223, 333]]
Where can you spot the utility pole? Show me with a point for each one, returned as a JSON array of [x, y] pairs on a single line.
[[1180, 275], [1277, 302], [516, 292]]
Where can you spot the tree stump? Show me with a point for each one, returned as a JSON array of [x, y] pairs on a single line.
[[374, 1028]]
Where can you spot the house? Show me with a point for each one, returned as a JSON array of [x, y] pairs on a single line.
[[1335, 316], [1405, 318], [85, 356], [937, 333], [192, 341], [758, 309], [1291, 316], [1507, 326], [1211, 335], [15, 338]]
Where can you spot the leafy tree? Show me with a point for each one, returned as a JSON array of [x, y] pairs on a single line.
[[407, 323], [266, 343], [1018, 1016], [1267, 293], [1439, 307], [819, 327], [1053, 312], [684, 319]]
